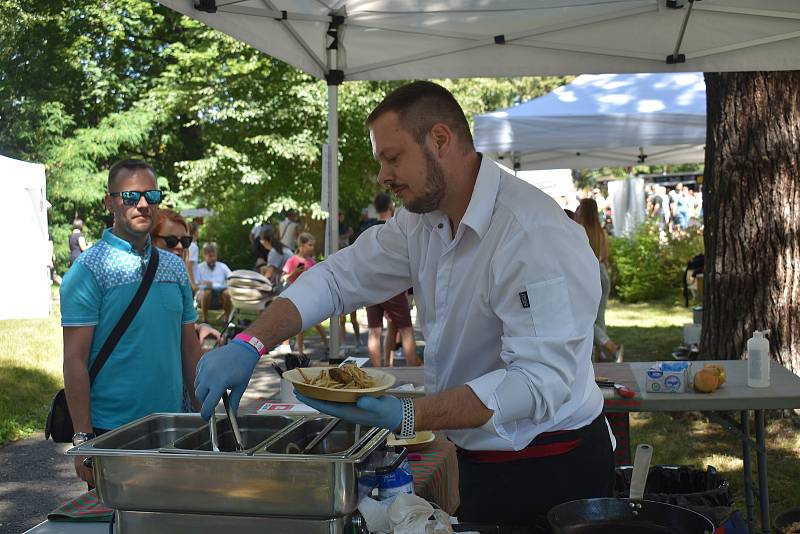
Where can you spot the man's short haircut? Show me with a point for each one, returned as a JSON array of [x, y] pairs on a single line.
[[128, 165], [422, 104], [77, 224], [210, 248], [382, 202]]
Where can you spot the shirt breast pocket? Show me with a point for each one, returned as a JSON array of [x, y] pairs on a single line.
[[551, 309], [170, 295]]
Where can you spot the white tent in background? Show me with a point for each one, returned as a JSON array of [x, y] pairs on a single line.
[[341, 40], [602, 120], [555, 183], [24, 278]]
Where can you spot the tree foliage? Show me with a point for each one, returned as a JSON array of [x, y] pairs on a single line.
[[645, 266], [85, 83]]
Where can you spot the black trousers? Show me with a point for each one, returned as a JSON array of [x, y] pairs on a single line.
[[517, 495]]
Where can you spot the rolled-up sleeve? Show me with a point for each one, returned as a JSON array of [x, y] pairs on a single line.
[[545, 290], [371, 270]]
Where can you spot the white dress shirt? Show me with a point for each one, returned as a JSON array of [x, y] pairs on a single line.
[[507, 306], [217, 276]]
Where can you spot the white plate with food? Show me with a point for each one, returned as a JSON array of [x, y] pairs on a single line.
[[339, 384], [422, 437]]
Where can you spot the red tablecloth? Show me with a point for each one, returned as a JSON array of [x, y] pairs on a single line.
[[435, 469]]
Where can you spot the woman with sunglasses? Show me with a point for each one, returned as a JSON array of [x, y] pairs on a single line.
[[172, 233]]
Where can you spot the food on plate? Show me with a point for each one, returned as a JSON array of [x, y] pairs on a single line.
[[706, 380], [720, 370], [346, 377]]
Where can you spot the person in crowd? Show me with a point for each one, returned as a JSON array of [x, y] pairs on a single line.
[[363, 223], [507, 290], [171, 233], [259, 252], [212, 282], [345, 232], [288, 230], [193, 255], [684, 207], [158, 352], [277, 255], [659, 207], [674, 223], [586, 215], [298, 264], [344, 240], [51, 261], [258, 229], [272, 268], [396, 308], [77, 242], [356, 328]]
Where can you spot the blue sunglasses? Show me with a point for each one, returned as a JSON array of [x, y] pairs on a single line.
[[131, 198]]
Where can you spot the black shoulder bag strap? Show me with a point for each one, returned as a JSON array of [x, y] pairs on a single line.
[[127, 317]]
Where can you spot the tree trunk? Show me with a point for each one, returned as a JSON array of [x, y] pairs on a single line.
[[751, 204]]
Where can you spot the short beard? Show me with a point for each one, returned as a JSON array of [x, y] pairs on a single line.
[[435, 187]]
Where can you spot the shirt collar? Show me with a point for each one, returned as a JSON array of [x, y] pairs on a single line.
[[481, 205], [125, 246]]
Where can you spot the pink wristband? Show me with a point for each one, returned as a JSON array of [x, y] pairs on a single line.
[[253, 341]]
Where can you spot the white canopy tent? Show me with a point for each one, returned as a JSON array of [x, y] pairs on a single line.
[[341, 40], [24, 278], [602, 120], [555, 183]]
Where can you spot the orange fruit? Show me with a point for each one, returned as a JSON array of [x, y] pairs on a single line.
[[720, 370], [706, 380]]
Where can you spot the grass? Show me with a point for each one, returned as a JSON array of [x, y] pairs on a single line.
[[649, 332], [30, 373]]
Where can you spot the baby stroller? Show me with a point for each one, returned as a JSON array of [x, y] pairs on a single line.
[[250, 293]]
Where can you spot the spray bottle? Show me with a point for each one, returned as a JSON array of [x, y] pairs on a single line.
[[758, 360]]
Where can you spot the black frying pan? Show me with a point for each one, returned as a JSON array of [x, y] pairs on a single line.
[[624, 516]]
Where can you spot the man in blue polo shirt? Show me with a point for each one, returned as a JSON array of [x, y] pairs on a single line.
[[159, 351]]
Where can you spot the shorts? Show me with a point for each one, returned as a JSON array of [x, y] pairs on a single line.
[[396, 310], [216, 297]]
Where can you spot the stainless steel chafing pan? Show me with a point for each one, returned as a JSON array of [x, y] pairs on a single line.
[[180, 523], [254, 429], [343, 440], [149, 433], [323, 484]]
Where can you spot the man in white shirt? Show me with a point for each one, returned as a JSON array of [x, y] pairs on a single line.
[[507, 291], [289, 229], [212, 280]]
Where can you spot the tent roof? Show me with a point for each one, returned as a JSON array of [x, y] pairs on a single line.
[[600, 120], [409, 39]]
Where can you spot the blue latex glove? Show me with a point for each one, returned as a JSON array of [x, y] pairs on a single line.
[[384, 412], [228, 367]]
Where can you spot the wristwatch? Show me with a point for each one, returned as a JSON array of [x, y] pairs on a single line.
[[81, 437]]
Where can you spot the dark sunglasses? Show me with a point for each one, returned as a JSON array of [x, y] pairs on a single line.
[[131, 198], [173, 241]]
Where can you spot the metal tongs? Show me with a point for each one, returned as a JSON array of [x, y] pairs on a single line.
[[322, 433], [237, 435], [212, 425]]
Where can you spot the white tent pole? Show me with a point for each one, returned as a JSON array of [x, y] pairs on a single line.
[[332, 239], [334, 77]]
